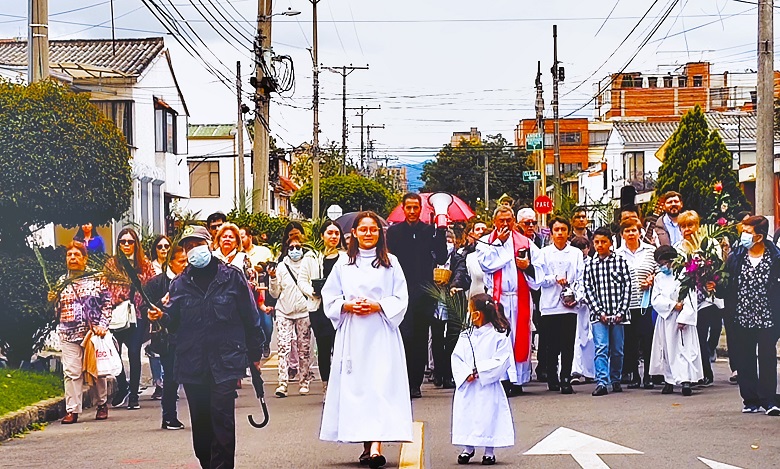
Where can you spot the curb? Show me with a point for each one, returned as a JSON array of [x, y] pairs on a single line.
[[47, 410]]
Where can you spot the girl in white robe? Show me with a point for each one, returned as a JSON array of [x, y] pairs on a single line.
[[584, 363], [480, 410], [366, 298], [675, 352]]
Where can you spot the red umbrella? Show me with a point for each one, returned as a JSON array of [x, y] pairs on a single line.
[[458, 211]]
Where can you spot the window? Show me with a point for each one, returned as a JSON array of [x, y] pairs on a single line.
[[698, 81], [568, 168], [629, 82], [204, 179], [571, 138], [635, 171], [667, 82], [164, 127], [682, 81], [652, 82], [121, 112], [598, 137]]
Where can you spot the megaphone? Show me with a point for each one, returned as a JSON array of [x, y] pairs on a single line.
[[440, 201]]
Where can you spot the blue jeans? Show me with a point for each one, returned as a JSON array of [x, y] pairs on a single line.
[[267, 323], [157, 371], [609, 352]]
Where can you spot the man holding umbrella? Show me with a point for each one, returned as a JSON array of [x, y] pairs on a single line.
[[217, 327], [419, 247]]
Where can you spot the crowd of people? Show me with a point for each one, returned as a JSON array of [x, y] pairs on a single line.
[[596, 306]]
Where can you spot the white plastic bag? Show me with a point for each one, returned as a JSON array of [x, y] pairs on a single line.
[[109, 363]]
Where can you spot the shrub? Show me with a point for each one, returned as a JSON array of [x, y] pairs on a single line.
[[352, 192]]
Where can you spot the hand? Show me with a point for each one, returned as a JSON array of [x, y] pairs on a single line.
[[503, 234], [154, 313], [603, 318], [710, 286], [522, 264], [681, 327], [272, 272], [472, 377], [678, 306], [455, 290], [52, 296], [99, 331], [648, 282], [166, 300], [562, 281], [618, 318], [258, 365]]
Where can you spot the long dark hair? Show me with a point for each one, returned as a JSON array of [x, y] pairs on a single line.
[[157, 239], [139, 258], [382, 258], [493, 313], [293, 225], [327, 224]]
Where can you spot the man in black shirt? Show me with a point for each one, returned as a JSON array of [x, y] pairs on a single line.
[[419, 247]]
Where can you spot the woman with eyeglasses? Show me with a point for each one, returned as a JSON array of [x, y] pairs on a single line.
[[230, 251], [292, 317], [124, 295], [366, 298], [161, 246]]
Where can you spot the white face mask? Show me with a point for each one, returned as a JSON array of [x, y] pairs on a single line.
[[199, 256], [295, 254], [450, 247]]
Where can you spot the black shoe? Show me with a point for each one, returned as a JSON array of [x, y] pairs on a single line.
[[465, 458], [415, 393], [686, 389], [616, 387], [541, 377], [555, 387], [705, 383], [449, 384], [515, 390], [668, 389], [120, 399], [600, 390], [266, 351], [566, 389], [157, 394], [438, 382], [172, 425], [649, 385], [376, 461], [634, 385], [132, 403], [627, 378], [488, 460]]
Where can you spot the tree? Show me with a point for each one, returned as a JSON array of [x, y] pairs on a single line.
[[459, 170], [352, 192], [330, 164], [695, 160], [61, 161]]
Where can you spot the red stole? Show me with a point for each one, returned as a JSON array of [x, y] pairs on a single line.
[[523, 327]]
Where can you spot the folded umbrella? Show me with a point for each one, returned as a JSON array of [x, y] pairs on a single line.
[[257, 383]]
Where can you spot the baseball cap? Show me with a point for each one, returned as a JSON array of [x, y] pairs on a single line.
[[195, 232], [665, 253]]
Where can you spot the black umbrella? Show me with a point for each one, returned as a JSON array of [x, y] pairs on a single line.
[[257, 383], [345, 221]]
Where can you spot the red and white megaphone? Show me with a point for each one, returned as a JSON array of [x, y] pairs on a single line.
[[440, 201]]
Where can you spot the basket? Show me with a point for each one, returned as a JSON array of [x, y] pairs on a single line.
[[441, 276]]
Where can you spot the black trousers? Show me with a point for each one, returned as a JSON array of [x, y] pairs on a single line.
[[638, 340], [442, 348], [757, 387], [170, 386], [728, 324], [715, 328], [325, 335], [414, 332], [559, 331], [133, 338], [704, 318], [213, 420]]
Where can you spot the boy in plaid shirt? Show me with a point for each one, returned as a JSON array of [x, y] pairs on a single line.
[[608, 293]]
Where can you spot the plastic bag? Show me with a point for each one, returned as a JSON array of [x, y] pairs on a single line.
[[108, 360]]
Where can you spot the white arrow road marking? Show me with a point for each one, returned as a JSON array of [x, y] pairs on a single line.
[[582, 447], [717, 465]]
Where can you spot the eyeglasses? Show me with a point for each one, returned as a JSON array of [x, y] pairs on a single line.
[[160, 247], [294, 248], [580, 216], [126, 242]]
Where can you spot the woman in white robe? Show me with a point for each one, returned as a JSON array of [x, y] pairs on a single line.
[[675, 352], [366, 298], [480, 410]]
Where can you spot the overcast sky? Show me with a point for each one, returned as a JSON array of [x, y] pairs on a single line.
[[436, 66]]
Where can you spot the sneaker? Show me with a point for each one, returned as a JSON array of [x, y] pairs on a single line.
[[172, 425], [616, 387], [266, 351], [668, 389], [686, 389], [575, 380], [120, 399], [157, 394], [281, 390], [303, 390], [751, 409], [733, 378], [102, 412], [705, 383], [713, 356], [132, 404], [600, 390], [773, 411]]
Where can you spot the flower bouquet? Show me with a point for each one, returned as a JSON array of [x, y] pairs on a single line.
[[701, 262]]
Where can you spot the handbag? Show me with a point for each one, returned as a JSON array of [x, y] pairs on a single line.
[[160, 340], [109, 362], [123, 316]]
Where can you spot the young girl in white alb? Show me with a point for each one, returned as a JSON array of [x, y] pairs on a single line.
[[480, 410]]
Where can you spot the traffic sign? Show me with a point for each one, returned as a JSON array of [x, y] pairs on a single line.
[[543, 204], [533, 142], [530, 176]]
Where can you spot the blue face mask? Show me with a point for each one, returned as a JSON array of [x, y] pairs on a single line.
[[746, 240], [199, 256], [295, 254], [665, 269]]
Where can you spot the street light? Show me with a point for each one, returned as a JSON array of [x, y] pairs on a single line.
[[289, 12]]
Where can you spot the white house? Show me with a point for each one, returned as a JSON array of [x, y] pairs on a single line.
[[132, 81]]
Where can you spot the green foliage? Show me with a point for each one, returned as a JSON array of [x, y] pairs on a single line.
[[26, 317], [330, 164], [352, 192], [460, 170], [18, 389], [694, 161], [259, 223], [61, 161]]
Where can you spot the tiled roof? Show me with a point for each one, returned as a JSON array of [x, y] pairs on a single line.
[[128, 56], [733, 127], [210, 130], [645, 132]]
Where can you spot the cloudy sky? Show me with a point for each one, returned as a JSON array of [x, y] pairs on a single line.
[[436, 66]]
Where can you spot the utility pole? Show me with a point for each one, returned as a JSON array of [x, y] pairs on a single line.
[[765, 174], [364, 163], [344, 71], [315, 145], [240, 137], [38, 41], [362, 115], [540, 187], [487, 181], [556, 123], [263, 86]]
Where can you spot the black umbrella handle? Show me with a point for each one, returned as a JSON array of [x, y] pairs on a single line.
[[265, 416]]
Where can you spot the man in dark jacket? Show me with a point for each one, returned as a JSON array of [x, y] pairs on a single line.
[[419, 247], [218, 331]]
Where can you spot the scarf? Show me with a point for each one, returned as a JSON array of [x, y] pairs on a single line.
[[522, 343]]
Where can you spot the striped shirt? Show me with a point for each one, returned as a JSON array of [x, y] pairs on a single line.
[[641, 263], [608, 287]]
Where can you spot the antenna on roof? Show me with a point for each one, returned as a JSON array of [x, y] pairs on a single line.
[[113, 31]]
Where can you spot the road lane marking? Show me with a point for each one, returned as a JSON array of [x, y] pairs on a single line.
[[585, 449], [717, 465], [412, 453]]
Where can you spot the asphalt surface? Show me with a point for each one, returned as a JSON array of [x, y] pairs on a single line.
[[670, 431]]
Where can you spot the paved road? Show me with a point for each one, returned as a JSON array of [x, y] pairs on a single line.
[[670, 431]]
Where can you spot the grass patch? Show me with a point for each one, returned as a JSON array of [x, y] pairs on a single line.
[[18, 388]]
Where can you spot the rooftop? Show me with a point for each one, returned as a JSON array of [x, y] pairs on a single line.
[[645, 132], [210, 130]]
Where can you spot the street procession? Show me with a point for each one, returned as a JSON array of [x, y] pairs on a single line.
[[203, 265]]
